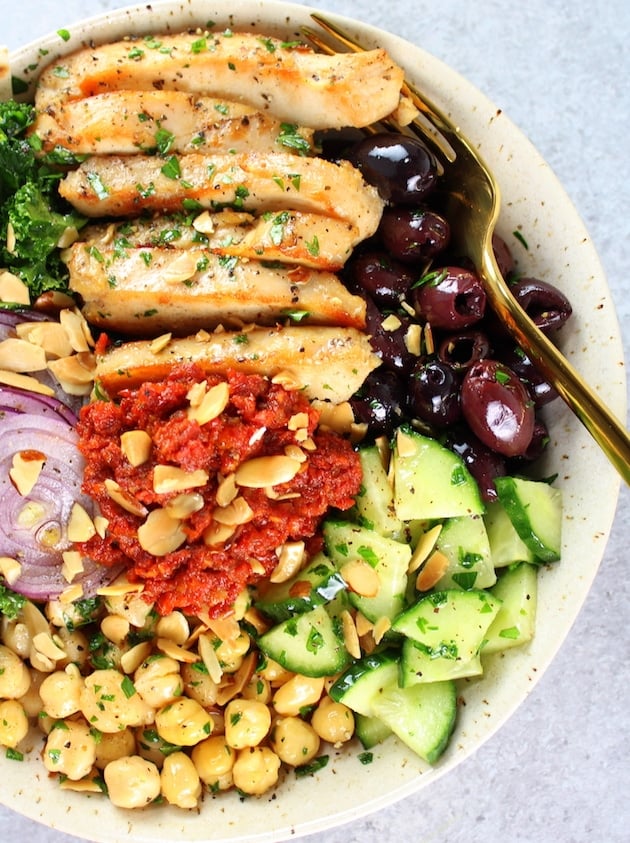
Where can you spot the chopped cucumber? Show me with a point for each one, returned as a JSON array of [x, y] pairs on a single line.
[[370, 730], [314, 585], [419, 663], [422, 716], [464, 542], [375, 502], [363, 682], [347, 543], [310, 644], [430, 481], [514, 624], [506, 546], [535, 509], [450, 626]]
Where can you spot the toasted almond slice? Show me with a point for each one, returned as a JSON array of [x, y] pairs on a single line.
[[12, 288], [209, 658], [364, 626], [120, 588], [180, 269], [361, 578], [10, 569], [297, 421], [257, 567], [294, 452], [413, 339], [185, 505], [75, 373], [254, 617], [48, 335], [226, 628], [350, 635], [429, 343], [72, 564], [381, 626], [87, 785], [196, 393], [160, 343], [161, 533], [217, 534], [26, 466], [288, 380], [25, 382], [391, 323], [226, 491], [123, 498], [173, 626], [17, 355], [72, 321], [136, 446], [46, 646], [308, 444], [212, 404], [131, 660], [80, 526], [180, 654], [237, 512], [336, 417], [170, 478], [290, 559], [432, 571], [423, 548], [405, 444], [237, 680], [100, 525], [260, 472]]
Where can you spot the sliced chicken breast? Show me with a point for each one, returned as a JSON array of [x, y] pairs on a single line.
[[329, 364], [292, 82]]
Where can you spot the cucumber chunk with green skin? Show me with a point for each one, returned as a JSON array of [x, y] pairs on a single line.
[[535, 509], [517, 588], [506, 546], [310, 644], [370, 730], [464, 542], [314, 585], [347, 542], [422, 716], [450, 625], [418, 663], [430, 481], [375, 501], [363, 682]]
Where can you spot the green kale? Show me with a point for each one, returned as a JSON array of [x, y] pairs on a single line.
[[10, 602]]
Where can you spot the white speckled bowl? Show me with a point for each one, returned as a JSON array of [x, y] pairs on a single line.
[[560, 250]]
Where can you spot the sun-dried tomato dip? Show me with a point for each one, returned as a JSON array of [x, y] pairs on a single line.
[[203, 480]]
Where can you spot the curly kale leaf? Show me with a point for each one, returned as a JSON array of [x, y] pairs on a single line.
[[10, 602]]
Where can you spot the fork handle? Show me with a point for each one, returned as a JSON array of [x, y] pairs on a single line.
[[597, 418]]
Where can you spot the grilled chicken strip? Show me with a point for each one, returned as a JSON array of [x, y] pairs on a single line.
[[128, 185], [147, 291], [293, 83], [283, 236], [330, 364], [125, 122]]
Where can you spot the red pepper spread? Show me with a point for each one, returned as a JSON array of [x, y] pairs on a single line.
[[260, 419]]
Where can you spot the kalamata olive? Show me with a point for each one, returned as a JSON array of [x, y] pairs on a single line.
[[380, 402], [413, 235], [538, 445], [484, 464], [434, 392], [401, 168], [541, 391], [545, 304], [450, 297], [503, 255], [461, 350], [388, 337], [384, 279], [497, 407]]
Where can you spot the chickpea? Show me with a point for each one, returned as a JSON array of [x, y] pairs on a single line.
[[70, 749], [256, 769], [60, 692], [16, 636], [198, 684], [180, 781], [15, 678], [214, 759], [136, 610], [132, 781], [298, 693], [294, 741], [257, 688], [183, 722], [174, 626], [158, 680], [230, 652], [76, 647], [274, 673], [151, 746], [13, 723], [110, 703], [247, 722], [31, 700], [333, 721], [113, 745]]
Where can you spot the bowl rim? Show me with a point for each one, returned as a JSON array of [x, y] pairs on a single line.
[[479, 117]]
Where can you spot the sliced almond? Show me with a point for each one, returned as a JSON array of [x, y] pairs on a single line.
[[381, 626], [26, 382], [72, 564], [100, 525], [289, 380], [204, 222], [75, 373], [217, 534], [174, 651], [160, 343], [226, 628], [131, 660], [170, 478], [123, 498], [26, 466], [432, 571], [10, 569], [405, 444], [182, 268], [226, 491], [336, 417], [294, 452], [120, 588], [429, 343], [350, 635], [413, 339], [17, 355], [211, 405], [361, 578], [80, 526], [161, 533], [237, 512], [136, 446], [209, 658], [257, 567], [196, 393], [12, 288], [73, 322], [423, 548], [297, 421], [115, 628], [290, 560], [233, 684], [173, 626], [48, 335], [391, 323], [68, 236], [46, 646], [272, 470], [364, 626], [185, 505]]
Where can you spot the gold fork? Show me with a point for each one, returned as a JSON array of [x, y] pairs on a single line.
[[474, 203]]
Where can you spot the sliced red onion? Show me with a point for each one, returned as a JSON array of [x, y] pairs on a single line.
[[10, 318], [22, 401], [33, 527]]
